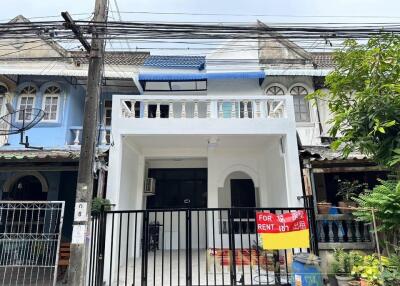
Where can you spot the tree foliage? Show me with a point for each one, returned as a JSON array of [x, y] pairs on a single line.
[[384, 199], [364, 98]]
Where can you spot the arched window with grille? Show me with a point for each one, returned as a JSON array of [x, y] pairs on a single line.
[[274, 90], [26, 102], [301, 107], [51, 103]]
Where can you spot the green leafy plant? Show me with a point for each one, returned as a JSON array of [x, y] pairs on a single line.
[[391, 273], [370, 269], [98, 203], [349, 189], [344, 262], [384, 199]]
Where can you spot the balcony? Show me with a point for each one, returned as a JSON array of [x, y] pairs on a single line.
[[202, 114], [200, 107], [343, 231]]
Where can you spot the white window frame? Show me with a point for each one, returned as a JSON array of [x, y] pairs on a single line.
[[45, 95], [19, 104], [303, 97]]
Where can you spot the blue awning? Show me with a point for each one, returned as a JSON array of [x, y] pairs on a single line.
[[236, 75], [200, 76]]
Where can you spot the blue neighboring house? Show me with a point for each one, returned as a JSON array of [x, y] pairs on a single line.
[[48, 77]]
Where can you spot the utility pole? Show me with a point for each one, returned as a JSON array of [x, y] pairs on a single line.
[[84, 190]]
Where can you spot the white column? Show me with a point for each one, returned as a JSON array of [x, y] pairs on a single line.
[[292, 169]]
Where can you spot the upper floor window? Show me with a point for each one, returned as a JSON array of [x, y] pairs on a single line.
[[274, 90], [51, 100], [301, 107], [26, 102]]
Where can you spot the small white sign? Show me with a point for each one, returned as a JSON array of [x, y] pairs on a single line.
[[78, 234], [80, 212]]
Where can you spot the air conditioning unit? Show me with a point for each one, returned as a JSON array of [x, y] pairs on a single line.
[[149, 187]]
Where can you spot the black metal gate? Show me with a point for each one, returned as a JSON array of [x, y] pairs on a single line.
[[187, 247]]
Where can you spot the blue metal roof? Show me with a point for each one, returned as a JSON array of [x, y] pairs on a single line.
[[190, 62], [200, 76]]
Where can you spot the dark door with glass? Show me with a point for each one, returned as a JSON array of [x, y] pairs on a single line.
[[178, 188]]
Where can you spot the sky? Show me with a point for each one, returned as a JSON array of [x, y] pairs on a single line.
[[268, 11]]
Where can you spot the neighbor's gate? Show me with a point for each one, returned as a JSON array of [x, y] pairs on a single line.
[[187, 247], [30, 234]]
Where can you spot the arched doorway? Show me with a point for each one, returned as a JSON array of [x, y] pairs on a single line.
[[239, 193], [25, 188]]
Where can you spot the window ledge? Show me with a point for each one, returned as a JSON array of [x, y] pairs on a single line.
[[305, 124]]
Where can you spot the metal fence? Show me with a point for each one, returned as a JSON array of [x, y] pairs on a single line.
[[187, 247], [30, 235]]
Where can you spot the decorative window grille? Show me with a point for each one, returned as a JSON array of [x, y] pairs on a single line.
[[274, 90], [26, 102], [301, 107], [51, 102]]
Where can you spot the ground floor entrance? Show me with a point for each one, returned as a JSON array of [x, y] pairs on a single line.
[[197, 246]]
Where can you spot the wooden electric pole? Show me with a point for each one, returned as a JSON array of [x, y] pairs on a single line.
[[84, 190]]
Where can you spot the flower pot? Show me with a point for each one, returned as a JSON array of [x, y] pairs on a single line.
[[353, 283], [343, 280], [363, 282], [323, 208], [345, 205]]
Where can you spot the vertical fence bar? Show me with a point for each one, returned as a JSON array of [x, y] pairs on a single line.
[[188, 247], [145, 247], [232, 250]]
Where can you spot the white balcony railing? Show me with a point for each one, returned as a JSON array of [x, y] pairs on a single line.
[[197, 107], [76, 135]]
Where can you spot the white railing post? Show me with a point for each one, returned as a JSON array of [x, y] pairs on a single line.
[[257, 109], [220, 109], [133, 113], [77, 133], [158, 111], [245, 111], [208, 112], [171, 110], [233, 111], [196, 110], [146, 110], [183, 113]]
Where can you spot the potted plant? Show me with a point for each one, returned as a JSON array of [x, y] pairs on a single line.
[[323, 207], [343, 265], [370, 269], [98, 203], [346, 191]]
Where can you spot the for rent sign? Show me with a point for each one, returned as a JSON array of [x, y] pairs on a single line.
[[289, 230]]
